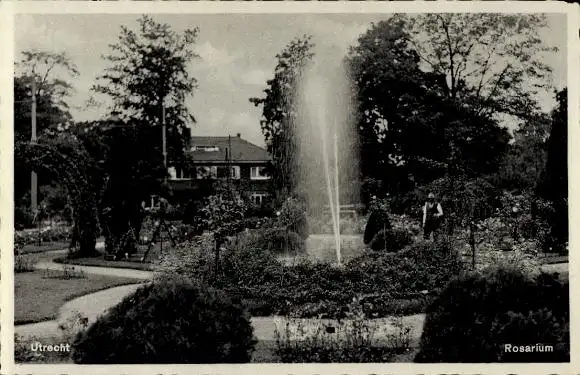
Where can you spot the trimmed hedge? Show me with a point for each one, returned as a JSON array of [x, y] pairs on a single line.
[[477, 315], [169, 322]]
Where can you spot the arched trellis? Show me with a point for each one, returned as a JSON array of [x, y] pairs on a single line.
[[66, 157]]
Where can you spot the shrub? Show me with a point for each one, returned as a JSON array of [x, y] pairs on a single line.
[[292, 216], [23, 264], [392, 240], [275, 240], [193, 259], [169, 322], [477, 314]]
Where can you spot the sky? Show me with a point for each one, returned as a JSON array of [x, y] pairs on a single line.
[[237, 56]]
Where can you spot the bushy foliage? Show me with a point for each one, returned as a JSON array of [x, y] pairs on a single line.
[[53, 234], [23, 264], [292, 216], [169, 322], [273, 240], [391, 240], [193, 259], [477, 314]]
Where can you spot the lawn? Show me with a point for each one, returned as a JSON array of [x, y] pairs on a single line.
[[38, 297], [47, 246], [100, 261]]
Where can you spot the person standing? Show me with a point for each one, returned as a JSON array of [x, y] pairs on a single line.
[[432, 217]]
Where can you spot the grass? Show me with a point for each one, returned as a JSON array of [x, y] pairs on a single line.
[[50, 246], [100, 261], [38, 297]]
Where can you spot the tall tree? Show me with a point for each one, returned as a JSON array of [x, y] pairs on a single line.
[[279, 113], [46, 69], [407, 122], [148, 72], [493, 60], [149, 68]]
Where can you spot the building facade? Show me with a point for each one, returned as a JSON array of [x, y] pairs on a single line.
[[230, 159]]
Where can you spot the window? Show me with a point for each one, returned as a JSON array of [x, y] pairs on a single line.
[[205, 148], [258, 198], [235, 172], [206, 172], [177, 173], [258, 173]]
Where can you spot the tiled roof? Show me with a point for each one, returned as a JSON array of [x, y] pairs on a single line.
[[241, 150]]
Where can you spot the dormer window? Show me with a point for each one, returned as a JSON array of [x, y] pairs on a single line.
[[205, 148]]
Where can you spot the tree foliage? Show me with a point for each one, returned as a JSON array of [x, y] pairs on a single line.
[[554, 184], [492, 61], [408, 122], [279, 112], [148, 67], [65, 156], [148, 70]]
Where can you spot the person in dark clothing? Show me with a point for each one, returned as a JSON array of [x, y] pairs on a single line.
[[432, 217]]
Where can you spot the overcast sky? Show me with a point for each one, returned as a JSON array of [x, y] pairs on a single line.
[[237, 56]]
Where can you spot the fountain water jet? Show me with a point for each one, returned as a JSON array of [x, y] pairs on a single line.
[[328, 160]]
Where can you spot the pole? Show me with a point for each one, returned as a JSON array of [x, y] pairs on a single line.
[[164, 135], [33, 176]]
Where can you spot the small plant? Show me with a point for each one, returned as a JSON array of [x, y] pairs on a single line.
[[23, 264], [351, 339], [67, 272], [74, 324]]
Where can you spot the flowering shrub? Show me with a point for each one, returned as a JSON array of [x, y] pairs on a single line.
[[50, 234], [405, 222], [221, 209]]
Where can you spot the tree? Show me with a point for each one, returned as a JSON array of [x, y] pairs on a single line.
[[46, 70], [524, 162], [43, 68], [279, 113], [148, 70], [554, 184], [408, 124], [492, 61]]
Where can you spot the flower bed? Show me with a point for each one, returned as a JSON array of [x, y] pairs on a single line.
[[400, 283]]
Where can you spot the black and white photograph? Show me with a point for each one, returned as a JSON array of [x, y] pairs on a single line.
[[386, 187]]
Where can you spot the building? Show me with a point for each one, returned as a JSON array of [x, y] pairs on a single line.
[[231, 159]]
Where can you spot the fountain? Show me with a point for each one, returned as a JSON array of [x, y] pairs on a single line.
[[327, 137]]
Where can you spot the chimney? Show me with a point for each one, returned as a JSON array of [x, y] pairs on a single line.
[[239, 135]]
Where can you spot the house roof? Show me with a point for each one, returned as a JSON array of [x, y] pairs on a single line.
[[241, 150]]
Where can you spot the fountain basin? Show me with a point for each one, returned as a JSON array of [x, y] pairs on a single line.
[[321, 247]]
